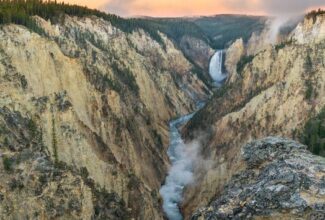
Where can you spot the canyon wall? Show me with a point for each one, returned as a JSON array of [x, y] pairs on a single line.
[[84, 119], [275, 93]]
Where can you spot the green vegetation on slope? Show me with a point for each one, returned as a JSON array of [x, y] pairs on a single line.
[[308, 66], [20, 12], [314, 13], [283, 45], [176, 28], [7, 163], [126, 76], [217, 30], [222, 29], [243, 62], [314, 134]]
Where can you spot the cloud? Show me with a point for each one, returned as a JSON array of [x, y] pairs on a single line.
[[200, 7], [90, 4], [167, 8], [286, 12], [204, 7], [274, 7], [120, 7], [289, 7], [282, 11]]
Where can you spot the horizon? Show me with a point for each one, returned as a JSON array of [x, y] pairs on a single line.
[[204, 8], [195, 16]]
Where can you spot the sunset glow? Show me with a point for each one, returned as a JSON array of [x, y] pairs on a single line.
[[170, 8]]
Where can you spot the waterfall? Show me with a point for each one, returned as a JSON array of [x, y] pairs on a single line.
[[215, 68]]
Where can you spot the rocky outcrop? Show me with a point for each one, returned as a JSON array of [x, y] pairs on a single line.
[[281, 180], [312, 29], [233, 54], [101, 100], [275, 94], [259, 42], [199, 52]]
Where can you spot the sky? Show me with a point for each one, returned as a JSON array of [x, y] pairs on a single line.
[[177, 8]]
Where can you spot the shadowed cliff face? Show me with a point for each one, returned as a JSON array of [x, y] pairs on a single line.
[[274, 94], [100, 100]]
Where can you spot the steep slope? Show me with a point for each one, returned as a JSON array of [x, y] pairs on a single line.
[[276, 92], [100, 99]]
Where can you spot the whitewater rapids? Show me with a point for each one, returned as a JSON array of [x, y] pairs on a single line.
[[182, 157]]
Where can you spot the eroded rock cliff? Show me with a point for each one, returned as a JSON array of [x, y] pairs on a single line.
[[233, 55], [200, 53], [98, 100]]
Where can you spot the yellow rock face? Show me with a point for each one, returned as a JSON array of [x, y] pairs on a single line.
[[233, 55], [104, 97]]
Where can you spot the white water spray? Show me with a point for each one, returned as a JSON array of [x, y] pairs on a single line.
[[182, 157], [215, 68]]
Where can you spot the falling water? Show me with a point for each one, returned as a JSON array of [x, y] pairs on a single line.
[[215, 68]]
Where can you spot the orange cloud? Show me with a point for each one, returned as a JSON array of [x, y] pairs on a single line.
[[161, 7], [169, 8], [90, 4]]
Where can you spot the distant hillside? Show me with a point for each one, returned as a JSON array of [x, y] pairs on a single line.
[[176, 28], [222, 29], [197, 37], [217, 30]]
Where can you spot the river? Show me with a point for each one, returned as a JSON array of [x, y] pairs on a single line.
[[183, 156], [180, 173]]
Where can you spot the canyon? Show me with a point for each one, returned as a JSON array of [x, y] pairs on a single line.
[[98, 101], [274, 93], [101, 122]]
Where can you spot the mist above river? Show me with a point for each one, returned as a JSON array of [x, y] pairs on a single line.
[[183, 157]]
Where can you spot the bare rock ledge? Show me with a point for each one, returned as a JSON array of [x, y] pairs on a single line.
[[282, 180]]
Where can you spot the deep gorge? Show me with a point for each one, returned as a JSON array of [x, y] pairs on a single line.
[[102, 117]]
